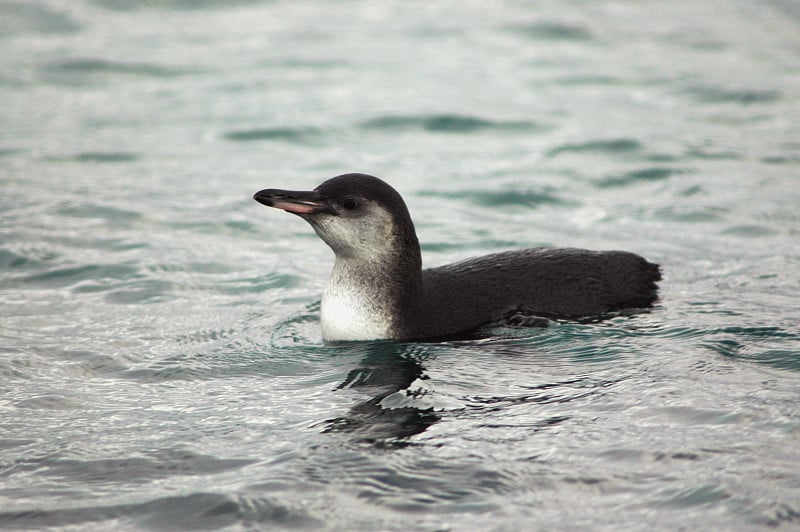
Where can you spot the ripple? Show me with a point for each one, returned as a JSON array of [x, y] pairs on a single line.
[[613, 146], [178, 5], [549, 393], [106, 157], [181, 512], [704, 495], [553, 31], [589, 79], [7, 152], [781, 159], [697, 153], [750, 231], [83, 70], [691, 214], [141, 291], [298, 134], [30, 17], [702, 416], [49, 402], [756, 344], [453, 245], [205, 336], [85, 364], [422, 486], [712, 94], [92, 210], [301, 328], [243, 226], [691, 191], [778, 513], [501, 198], [65, 276], [444, 123], [24, 259], [10, 443], [258, 284], [158, 465], [644, 175], [167, 374]]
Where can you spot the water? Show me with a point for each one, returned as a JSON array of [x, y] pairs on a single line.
[[162, 365]]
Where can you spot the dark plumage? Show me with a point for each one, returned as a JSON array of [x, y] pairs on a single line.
[[379, 290]]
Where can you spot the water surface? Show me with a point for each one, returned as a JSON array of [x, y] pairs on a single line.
[[161, 363]]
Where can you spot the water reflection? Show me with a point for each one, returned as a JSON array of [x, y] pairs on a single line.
[[385, 371]]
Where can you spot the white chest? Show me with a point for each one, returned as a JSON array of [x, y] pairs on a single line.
[[347, 315]]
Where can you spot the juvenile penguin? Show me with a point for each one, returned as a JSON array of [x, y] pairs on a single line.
[[378, 289]]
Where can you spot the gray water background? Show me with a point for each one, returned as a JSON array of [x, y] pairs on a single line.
[[161, 364]]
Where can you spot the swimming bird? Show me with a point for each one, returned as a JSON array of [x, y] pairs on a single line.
[[378, 289]]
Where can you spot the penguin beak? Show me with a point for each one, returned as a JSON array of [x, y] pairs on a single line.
[[295, 202]]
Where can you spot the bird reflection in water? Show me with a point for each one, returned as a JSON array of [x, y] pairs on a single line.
[[386, 369]]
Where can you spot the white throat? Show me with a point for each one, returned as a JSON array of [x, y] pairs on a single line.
[[352, 310]]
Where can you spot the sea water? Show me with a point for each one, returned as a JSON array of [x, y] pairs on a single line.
[[161, 363]]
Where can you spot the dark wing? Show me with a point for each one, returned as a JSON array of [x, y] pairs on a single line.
[[558, 283]]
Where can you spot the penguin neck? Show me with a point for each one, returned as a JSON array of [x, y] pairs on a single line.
[[370, 298]]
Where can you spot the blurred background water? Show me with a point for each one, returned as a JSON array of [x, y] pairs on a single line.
[[161, 364]]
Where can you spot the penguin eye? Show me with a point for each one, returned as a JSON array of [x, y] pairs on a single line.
[[350, 204]]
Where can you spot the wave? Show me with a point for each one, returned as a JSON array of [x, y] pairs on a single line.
[[445, 123]]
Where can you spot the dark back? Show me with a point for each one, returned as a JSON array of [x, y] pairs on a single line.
[[556, 283]]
